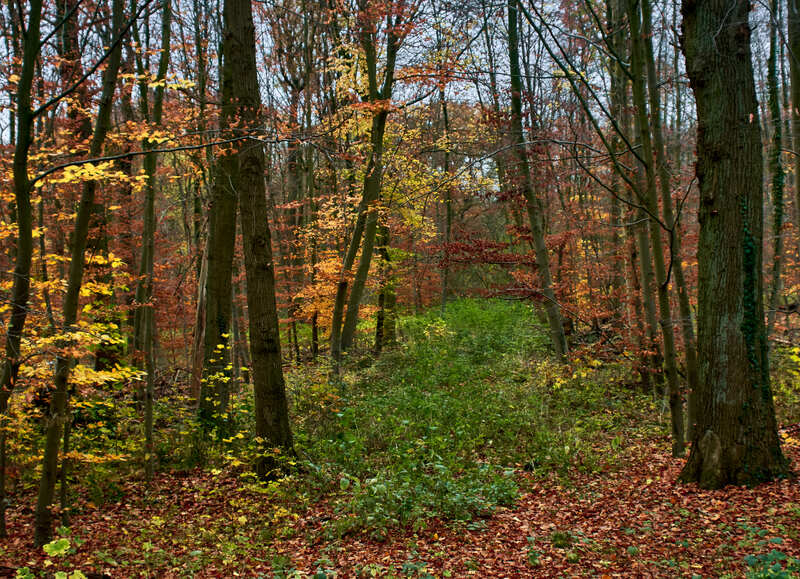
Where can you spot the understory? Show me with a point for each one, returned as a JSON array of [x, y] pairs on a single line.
[[466, 450]]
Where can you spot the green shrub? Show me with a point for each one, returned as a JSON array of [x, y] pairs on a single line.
[[438, 426]]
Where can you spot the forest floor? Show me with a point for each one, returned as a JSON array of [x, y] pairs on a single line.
[[603, 502], [636, 521]]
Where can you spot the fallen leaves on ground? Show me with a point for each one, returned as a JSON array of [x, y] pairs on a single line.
[[634, 521]]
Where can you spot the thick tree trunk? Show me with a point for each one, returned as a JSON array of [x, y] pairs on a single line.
[[736, 439], [271, 409]]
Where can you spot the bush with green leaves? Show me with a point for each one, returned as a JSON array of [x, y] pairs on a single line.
[[774, 564]]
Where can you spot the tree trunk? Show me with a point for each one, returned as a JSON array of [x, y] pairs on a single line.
[[638, 55], [367, 221], [385, 333], [59, 403], [775, 169], [736, 439], [676, 263], [198, 340], [533, 202], [20, 292], [371, 193], [215, 386], [271, 409], [793, 26]]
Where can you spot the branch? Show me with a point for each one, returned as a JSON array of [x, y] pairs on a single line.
[[130, 154], [61, 23], [68, 91]]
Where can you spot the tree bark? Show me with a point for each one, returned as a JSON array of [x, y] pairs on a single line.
[[668, 216], [271, 409], [638, 56], [20, 292], [215, 385], [367, 221], [736, 439], [775, 168], [793, 28]]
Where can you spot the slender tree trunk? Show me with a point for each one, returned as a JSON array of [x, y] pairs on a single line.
[[59, 404], [619, 87], [20, 292], [448, 200], [64, 475], [360, 279], [793, 26], [22, 200], [367, 220], [271, 409], [385, 323], [676, 264], [148, 328], [370, 195], [215, 387], [638, 61], [198, 340], [775, 169], [3, 495], [533, 202], [647, 282], [736, 438]]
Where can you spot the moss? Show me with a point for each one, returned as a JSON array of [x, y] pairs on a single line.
[[750, 319]]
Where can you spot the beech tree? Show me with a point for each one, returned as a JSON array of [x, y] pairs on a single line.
[[271, 410], [533, 203], [59, 403], [736, 438]]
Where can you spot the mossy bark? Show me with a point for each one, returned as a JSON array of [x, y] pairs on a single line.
[[736, 439]]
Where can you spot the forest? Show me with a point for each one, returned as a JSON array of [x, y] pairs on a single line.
[[399, 288]]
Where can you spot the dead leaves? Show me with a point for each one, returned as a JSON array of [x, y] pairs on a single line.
[[636, 521]]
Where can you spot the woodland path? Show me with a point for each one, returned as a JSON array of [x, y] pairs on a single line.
[[631, 522]]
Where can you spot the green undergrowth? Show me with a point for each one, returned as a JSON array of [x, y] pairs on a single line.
[[785, 366], [442, 425]]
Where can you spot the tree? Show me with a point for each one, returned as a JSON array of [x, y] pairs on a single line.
[[273, 431], [735, 440], [215, 388], [793, 29], [775, 168], [59, 402], [378, 97], [648, 189], [20, 292], [533, 203]]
